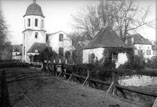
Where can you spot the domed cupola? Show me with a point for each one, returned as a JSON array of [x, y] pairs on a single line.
[[34, 9]]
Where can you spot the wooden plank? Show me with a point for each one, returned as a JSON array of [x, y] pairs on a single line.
[[99, 81], [67, 73], [118, 71], [110, 88], [79, 76], [152, 94], [86, 77], [70, 77]]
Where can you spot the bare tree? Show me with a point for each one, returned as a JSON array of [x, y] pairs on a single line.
[[87, 21], [4, 43], [2, 30], [123, 16]]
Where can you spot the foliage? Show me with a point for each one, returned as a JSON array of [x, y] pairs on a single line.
[[67, 54], [137, 64], [47, 54], [5, 45], [77, 56], [154, 62], [149, 63], [2, 30]]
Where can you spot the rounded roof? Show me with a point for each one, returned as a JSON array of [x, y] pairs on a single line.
[[34, 9]]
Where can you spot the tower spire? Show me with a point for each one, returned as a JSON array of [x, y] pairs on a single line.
[[34, 1]]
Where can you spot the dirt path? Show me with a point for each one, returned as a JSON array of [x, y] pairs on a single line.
[[29, 88]]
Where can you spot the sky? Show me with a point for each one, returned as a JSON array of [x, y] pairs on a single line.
[[58, 15]]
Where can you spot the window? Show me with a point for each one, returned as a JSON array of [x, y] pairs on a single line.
[[140, 52], [60, 37], [36, 22], [61, 51], [42, 23], [24, 50], [36, 34], [148, 52], [29, 22]]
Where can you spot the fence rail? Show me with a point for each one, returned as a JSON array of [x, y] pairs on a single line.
[[95, 76], [92, 75]]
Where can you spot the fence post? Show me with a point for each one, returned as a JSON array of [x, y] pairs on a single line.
[[112, 89], [88, 74], [71, 73], [155, 103], [62, 70], [55, 69]]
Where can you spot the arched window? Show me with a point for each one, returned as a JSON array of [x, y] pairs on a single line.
[[36, 34], [29, 22], [60, 37], [36, 22]]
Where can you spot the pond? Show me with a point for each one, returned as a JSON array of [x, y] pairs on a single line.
[[137, 80]]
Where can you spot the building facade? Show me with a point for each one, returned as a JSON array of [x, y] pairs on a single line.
[[34, 31], [17, 52], [35, 39], [98, 48], [60, 42], [142, 46]]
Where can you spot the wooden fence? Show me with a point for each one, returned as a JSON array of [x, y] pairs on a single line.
[[98, 77]]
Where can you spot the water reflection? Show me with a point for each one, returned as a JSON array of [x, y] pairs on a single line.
[[137, 80]]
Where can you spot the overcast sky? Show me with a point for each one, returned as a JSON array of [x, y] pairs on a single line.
[[57, 15]]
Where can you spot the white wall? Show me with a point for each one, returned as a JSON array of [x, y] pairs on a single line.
[[144, 48], [97, 51], [32, 22], [121, 58], [56, 44], [29, 34]]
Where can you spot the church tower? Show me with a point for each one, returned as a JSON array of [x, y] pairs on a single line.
[[34, 31]]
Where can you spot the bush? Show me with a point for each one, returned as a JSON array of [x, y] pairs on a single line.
[[132, 66], [137, 64], [154, 62], [149, 63]]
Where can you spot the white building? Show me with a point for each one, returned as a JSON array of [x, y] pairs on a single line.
[[106, 39], [142, 46], [34, 35], [17, 52], [60, 42], [34, 31]]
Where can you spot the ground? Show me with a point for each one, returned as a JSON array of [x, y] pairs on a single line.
[[32, 88]]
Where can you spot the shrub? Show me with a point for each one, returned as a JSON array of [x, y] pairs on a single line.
[[154, 62], [137, 64]]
